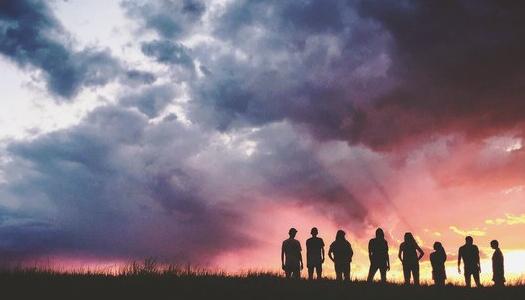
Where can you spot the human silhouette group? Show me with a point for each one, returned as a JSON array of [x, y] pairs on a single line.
[[410, 253]]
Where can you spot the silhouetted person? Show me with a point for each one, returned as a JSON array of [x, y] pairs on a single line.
[[341, 254], [498, 272], [438, 259], [314, 255], [470, 255], [378, 254], [410, 253], [291, 258]]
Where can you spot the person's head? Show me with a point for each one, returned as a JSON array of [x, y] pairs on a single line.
[[314, 231], [409, 238], [494, 244], [340, 235], [292, 232], [380, 234], [469, 240], [438, 246]]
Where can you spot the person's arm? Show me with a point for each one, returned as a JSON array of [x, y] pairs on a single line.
[[331, 254], [421, 253], [351, 252], [282, 256], [322, 254], [459, 261], [370, 250], [400, 253], [387, 258], [301, 258], [477, 260]]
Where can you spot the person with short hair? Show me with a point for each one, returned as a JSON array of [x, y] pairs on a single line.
[[469, 253], [315, 254], [437, 260], [498, 272], [291, 258]]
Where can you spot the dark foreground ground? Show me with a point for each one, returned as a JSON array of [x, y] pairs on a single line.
[[43, 285]]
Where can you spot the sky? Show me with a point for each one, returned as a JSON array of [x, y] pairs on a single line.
[[199, 132]]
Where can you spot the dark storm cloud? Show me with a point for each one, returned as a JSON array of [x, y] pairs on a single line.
[[168, 52], [30, 35], [170, 19], [111, 187], [150, 100], [460, 66], [385, 74], [311, 70]]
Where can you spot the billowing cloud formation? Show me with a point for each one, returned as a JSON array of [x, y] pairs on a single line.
[[30, 35], [303, 104], [459, 68]]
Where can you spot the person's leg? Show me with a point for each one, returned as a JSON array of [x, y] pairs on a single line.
[[415, 273], [338, 272], [338, 275], [406, 272], [297, 273], [346, 272], [476, 279], [371, 272], [382, 270], [310, 273], [467, 278], [319, 270], [287, 273]]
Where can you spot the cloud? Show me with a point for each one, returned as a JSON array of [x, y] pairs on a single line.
[[150, 100], [353, 71], [107, 178], [170, 19], [168, 52], [443, 88], [473, 232], [509, 219], [31, 36]]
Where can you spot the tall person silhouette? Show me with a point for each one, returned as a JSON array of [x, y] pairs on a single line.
[[498, 272], [410, 253], [291, 258], [314, 254], [378, 255], [341, 254], [437, 260], [469, 253]]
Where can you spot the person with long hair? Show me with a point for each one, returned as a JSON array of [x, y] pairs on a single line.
[[408, 254], [341, 254], [437, 260], [378, 255]]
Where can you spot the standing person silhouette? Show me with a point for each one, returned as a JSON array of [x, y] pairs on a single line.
[[378, 255], [314, 254], [341, 254], [498, 272], [291, 258], [437, 260], [408, 254], [470, 255]]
